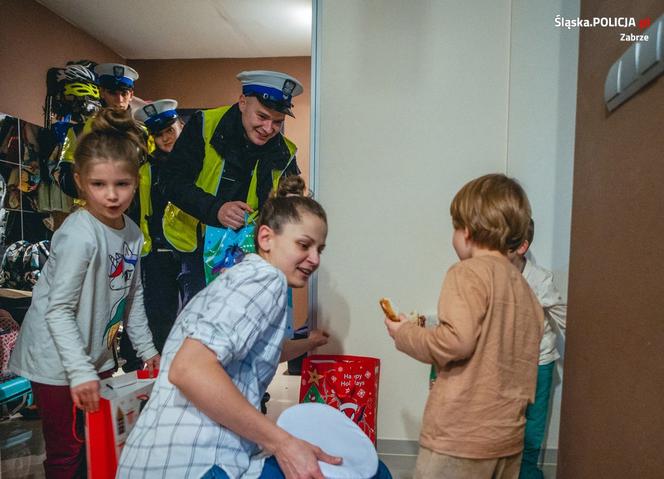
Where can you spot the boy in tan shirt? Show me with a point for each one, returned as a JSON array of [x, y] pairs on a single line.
[[486, 345]]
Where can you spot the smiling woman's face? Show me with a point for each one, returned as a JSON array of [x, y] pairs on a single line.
[[296, 249]]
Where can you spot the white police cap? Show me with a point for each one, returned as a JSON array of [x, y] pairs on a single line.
[[157, 115], [114, 76], [273, 89], [335, 433]]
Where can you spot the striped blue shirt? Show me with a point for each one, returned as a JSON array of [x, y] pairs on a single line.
[[242, 317]]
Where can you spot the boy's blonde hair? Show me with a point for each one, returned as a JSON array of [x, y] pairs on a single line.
[[495, 210]]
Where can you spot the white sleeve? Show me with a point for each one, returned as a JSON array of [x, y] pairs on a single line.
[[555, 308], [137, 321], [71, 253]]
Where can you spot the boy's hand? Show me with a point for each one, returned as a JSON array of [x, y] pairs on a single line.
[[299, 459], [393, 326], [318, 337], [152, 364], [86, 396]]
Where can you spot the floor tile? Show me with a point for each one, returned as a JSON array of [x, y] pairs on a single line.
[[21, 448]]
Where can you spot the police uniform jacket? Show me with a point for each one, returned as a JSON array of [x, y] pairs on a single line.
[[185, 162]]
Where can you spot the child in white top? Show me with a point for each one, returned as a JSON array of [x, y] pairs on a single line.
[[555, 314], [89, 286]]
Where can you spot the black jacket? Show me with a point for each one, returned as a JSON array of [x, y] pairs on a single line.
[[157, 166], [178, 181]]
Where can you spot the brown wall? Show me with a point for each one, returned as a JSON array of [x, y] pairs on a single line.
[[209, 83], [612, 410], [32, 40]]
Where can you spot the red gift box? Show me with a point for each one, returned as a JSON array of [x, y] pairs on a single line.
[[348, 383], [122, 400]]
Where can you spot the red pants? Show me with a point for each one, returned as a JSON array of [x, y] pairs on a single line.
[[65, 453]]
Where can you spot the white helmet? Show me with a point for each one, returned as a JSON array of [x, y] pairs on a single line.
[[76, 73]]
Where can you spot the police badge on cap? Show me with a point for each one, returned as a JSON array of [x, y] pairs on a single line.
[[274, 90], [157, 115], [114, 76]]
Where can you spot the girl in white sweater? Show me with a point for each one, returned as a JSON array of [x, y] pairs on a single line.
[[89, 286]]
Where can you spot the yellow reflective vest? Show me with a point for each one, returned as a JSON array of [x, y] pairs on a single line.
[[144, 181], [180, 228]]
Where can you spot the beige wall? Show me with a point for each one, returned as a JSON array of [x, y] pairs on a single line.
[[410, 109], [32, 40], [541, 142], [211, 82]]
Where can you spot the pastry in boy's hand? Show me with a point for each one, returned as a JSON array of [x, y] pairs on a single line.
[[388, 309]]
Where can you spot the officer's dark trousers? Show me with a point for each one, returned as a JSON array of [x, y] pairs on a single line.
[[192, 275], [161, 294]]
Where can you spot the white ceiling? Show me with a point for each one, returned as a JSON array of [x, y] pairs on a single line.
[[167, 29]]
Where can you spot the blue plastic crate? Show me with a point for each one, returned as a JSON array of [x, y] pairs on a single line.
[[15, 394]]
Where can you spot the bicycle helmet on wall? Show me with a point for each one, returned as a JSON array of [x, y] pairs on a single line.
[[22, 264], [71, 90], [81, 89], [34, 259], [12, 265], [76, 73]]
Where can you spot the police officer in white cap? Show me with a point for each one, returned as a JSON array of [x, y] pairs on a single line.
[[163, 123], [116, 89], [161, 267], [116, 84], [225, 164]]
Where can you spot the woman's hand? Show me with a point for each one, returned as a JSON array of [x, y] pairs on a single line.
[[299, 459], [86, 396], [318, 337], [152, 364], [294, 348]]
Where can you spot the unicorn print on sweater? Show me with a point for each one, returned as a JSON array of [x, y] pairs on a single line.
[[121, 271]]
